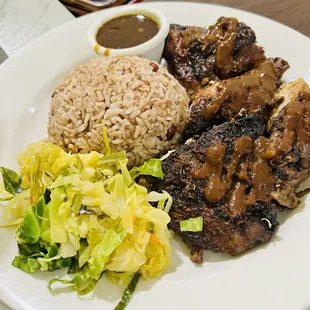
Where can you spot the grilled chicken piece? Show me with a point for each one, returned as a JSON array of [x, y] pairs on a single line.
[[210, 178], [197, 55], [289, 143], [253, 91], [238, 175]]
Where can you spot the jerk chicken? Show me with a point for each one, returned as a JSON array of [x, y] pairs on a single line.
[[245, 159], [238, 175], [223, 70], [197, 55], [220, 101]]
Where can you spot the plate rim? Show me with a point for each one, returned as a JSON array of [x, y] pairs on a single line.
[[10, 60]]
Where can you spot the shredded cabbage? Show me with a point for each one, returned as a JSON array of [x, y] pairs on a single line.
[[86, 212], [193, 224]]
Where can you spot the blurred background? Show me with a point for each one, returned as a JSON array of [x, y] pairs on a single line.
[[24, 20], [82, 7], [294, 13]]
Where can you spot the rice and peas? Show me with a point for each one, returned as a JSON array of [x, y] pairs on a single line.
[[143, 107]]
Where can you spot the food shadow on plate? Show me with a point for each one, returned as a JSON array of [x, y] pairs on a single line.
[[288, 213], [105, 289], [8, 237], [211, 257], [47, 276], [283, 216]]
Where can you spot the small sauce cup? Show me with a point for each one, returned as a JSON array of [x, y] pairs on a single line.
[[151, 49]]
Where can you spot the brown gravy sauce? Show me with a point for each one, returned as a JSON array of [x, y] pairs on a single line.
[[225, 32], [126, 31], [216, 188], [248, 165], [252, 91], [263, 181], [218, 185], [237, 201]]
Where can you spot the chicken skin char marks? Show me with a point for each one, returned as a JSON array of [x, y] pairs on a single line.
[[197, 55], [223, 70], [221, 101]]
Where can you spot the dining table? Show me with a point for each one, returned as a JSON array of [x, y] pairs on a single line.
[[293, 13]]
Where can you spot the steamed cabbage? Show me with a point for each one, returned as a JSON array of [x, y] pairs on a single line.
[[87, 213]]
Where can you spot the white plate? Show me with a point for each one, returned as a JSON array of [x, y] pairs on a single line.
[[273, 276]]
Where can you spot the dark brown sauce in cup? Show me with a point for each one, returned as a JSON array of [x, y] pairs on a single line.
[[126, 31]]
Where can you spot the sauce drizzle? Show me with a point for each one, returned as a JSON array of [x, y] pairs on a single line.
[[218, 185], [246, 175], [253, 91], [249, 168]]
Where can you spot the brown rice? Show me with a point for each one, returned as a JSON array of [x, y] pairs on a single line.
[[138, 101]]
